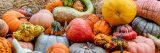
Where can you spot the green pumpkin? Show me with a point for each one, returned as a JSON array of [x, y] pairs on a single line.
[[43, 42]]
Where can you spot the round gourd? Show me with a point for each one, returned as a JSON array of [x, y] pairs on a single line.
[[45, 41], [3, 28], [85, 48], [5, 45], [13, 19], [58, 48], [118, 12]]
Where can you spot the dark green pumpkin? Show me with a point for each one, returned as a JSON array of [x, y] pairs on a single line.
[[141, 26], [43, 42]]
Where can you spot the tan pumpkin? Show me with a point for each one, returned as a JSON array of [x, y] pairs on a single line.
[[3, 28], [101, 26], [14, 19], [5, 46], [118, 12], [58, 48]]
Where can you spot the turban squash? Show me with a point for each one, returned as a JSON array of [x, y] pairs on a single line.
[[58, 48], [14, 19], [118, 12], [3, 28]]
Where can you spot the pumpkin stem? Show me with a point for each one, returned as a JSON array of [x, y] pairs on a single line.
[[23, 18], [57, 29]]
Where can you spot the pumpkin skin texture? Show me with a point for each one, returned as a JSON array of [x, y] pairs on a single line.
[[141, 26], [25, 11], [45, 41], [149, 10], [3, 28], [141, 45], [82, 31], [15, 17], [118, 12], [58, 48], [85, 48], [101, 26], [43, 18], [5, 46], [55, 3]]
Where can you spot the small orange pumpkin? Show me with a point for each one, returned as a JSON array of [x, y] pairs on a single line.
[[58, 48], [101, 26], [14, 19], [3, 28], [55, 3]]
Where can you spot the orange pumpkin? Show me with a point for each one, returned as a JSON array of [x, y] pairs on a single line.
[[5, 46], [3, 28], [14, 19], [58, 48], [101, 26], [91, 19], [55, 3]]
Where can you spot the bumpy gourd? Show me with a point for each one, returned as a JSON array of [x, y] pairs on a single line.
[[63, 14], [27, 31], [5, 46]]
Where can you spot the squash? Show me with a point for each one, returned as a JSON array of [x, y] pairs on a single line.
[[101, 26], [91, 19], [43, 18], [141, 45], [141, 26], [126, 32], [85, 48], [55, 29], [3, 28], [45, 41], [58, 48], [78, 5], [28, 31], [55, 3], [66, 14], [118, 12], [149, 10], [120, 52], [5, 45], [25, 11], [79, 30], [15, 17]]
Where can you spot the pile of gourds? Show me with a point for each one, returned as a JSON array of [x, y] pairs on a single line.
[[83, 26]]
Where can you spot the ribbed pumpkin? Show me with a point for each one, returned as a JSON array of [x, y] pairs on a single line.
[[14, 19], [25, 11], [55, 3], [141, 45], [5, 46], [43, 18], [141, 26], [45, 41], [149, 10], [58, 48], [3, 28], [118, 12], [85, 48], [101, 26], [91, 19]]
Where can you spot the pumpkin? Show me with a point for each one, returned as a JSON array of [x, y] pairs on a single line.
[[101, 26], [45, 41], [120, 52], [118, 12], [27, 45], [58, 48], [27, 31], [150, 12], [141, 26], [3, 28], [78, 5], [86, 48], [43, 18], [55, 3], [79, 30], [91, 19], [25, 11], [15, 17], [141, 45], [5, 46], [55, 29], [66, 14], [126, 32], [108, 42]]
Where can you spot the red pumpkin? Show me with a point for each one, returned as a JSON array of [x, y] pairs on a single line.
[[3, 28], [126, 32], [79, 30], [43, 18], [25, 11], [141, 45]]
